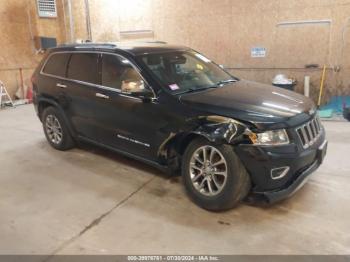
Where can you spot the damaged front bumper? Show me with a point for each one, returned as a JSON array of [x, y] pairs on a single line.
[[278, 195], [301, 164]]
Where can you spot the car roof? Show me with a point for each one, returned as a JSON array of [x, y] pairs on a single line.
[[133, 48]]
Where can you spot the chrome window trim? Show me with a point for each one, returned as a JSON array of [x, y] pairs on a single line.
[[95, 85]]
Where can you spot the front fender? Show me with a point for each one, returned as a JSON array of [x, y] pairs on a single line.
[[221, 130], [216, 129]]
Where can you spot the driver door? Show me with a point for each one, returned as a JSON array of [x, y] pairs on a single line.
[[125, 121]]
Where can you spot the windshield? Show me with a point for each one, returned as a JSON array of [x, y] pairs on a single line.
[[186, 71]]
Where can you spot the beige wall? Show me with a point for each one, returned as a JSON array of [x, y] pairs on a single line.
[[16, 45], [224, 30]]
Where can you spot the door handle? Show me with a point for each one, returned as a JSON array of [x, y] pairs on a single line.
[[61, 85], [102, 96]]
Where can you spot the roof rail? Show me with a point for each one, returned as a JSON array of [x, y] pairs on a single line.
[[96, 45], [155, 42], [89, 44]]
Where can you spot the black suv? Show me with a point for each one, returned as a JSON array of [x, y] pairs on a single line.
[[175, 109]]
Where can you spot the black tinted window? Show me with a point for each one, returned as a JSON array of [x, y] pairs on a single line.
[[56, 65], [84, 67], [118, 73]]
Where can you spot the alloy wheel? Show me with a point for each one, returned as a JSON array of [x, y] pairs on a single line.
[[53, 129], [208, 170]]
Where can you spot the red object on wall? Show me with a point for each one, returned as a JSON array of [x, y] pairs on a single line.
[[22, 82], [30, 94]]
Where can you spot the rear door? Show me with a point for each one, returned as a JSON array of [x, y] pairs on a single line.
[[82, 77], [53, 77]]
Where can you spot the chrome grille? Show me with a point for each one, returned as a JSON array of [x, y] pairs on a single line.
[[310, 132]]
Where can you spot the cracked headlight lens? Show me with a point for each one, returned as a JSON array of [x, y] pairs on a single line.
[[270, 138]]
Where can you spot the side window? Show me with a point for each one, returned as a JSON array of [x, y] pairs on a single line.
[[84, 67], [56, 65], [118, 73]]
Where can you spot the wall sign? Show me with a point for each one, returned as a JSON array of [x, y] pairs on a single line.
[[258, 52]]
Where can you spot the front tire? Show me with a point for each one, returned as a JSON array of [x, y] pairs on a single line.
[[56, 130], [214, 177]]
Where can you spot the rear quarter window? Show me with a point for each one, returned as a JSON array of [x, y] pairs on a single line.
[[57, 64]]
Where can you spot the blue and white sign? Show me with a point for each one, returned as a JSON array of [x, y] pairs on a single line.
[[258, 52]]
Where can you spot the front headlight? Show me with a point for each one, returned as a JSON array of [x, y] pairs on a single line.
[[270, 138]]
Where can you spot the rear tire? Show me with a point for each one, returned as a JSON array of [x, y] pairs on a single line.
[[224, 191], [56, 130]]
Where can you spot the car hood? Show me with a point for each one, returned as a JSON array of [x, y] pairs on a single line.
[[267, 107]]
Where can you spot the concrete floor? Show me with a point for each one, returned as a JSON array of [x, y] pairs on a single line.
[[90, 201]]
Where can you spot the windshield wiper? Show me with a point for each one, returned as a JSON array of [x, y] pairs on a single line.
[[224, 82], [217, 85], [190, 90]]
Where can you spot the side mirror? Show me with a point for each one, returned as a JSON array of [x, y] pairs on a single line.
[[145, 95]]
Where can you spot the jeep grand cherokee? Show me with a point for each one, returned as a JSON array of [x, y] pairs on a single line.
[[174, 108]]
